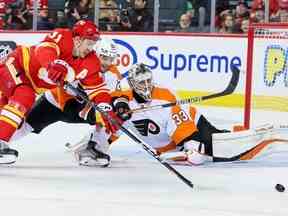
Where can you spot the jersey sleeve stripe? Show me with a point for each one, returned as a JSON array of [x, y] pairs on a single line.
[[50, 44]]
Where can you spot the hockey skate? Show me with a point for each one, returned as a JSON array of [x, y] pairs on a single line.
[[89, 153], [7, 155], [91, 156]]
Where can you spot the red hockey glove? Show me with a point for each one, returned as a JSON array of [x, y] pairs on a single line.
[[57, 71], [111, 120]]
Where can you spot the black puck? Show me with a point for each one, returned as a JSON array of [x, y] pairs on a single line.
[[279, 187]]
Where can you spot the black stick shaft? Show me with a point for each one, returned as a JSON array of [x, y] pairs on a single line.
[[145, 146]]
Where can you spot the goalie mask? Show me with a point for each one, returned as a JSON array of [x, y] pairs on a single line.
[[140, 80]]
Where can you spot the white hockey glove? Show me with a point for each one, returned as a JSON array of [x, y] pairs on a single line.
[[189, 155]]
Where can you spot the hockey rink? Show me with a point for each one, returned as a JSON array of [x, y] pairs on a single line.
[[46, 180]]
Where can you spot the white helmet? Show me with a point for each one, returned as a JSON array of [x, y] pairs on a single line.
[[140, 80], [106, 47]]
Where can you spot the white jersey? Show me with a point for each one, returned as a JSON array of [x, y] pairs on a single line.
[[160, 127]]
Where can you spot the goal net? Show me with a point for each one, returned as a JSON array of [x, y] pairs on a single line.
[[266, 91]]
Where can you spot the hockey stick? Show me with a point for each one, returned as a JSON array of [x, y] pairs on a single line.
[[145, 146], [198, 99], [250, 153]]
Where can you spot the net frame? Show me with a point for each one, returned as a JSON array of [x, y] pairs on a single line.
[[258, 30]]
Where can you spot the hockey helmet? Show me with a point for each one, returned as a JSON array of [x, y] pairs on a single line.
[[106, 47], [140, 80], [86, 29]]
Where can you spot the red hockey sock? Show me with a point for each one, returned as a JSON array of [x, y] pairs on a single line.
[[6, 130]]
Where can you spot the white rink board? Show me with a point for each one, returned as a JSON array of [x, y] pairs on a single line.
[[198, 63], [186, 64]]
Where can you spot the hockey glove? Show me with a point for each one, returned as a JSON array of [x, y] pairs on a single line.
[[121, 108], [111, 120], [57, 71]]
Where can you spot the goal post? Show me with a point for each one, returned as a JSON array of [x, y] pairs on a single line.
[[266, 82]]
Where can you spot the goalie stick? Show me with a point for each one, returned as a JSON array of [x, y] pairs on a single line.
[[198, 99], [129, 133]]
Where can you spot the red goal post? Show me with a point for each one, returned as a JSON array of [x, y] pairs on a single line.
[[266, 86]]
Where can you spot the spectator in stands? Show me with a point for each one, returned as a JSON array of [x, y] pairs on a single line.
[[61, 20], [228, 23], [260, 4], [15, 18], [222, 7], [241, 11], [257, 16], [244, 25], [44, 22], [184, 23], [136, 18], [123, 3], [78, 9], [280, 16], [109, 19], [41, 4]]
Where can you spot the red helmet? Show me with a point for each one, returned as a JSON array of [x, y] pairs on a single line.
[[86, 29]]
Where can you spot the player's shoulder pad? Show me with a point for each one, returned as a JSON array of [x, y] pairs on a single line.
[[123, 93], [164, 94]]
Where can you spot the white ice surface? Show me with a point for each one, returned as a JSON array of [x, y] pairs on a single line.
[[46, 181]]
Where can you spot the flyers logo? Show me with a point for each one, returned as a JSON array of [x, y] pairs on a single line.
[[275, 65], [146, 126]]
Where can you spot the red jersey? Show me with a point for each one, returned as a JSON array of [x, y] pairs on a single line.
[[89, 77], [34, 60]]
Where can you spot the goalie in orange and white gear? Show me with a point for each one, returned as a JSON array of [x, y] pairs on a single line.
[[176, 133]]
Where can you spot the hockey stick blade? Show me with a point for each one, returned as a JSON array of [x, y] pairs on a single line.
[[146, 147], [227, 91]]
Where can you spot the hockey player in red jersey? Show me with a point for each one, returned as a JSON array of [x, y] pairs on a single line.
[[57, 105], [28, 71]]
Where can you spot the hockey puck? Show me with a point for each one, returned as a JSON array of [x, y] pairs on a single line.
[[279, 187]]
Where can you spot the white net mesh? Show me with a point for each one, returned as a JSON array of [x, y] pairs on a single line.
[[269, 90]]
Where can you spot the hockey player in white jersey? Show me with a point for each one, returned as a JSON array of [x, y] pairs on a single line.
[[176, 133]]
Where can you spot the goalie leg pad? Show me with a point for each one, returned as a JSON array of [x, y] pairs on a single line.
[[204, 134]]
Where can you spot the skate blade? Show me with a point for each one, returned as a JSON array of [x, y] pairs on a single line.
[[7, 159], [94, 163]]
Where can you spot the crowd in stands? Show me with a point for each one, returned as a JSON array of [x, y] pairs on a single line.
[[232, 16]]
